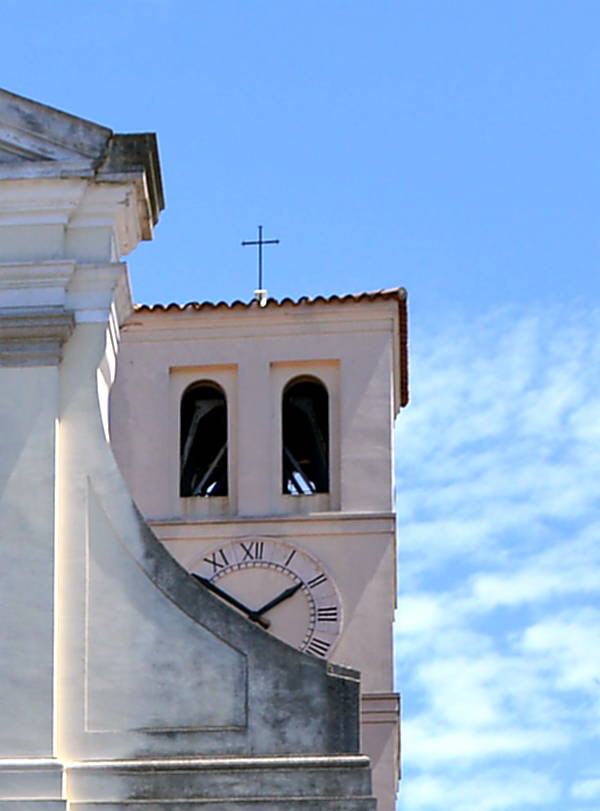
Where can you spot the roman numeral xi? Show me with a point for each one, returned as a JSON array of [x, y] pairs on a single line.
[[217, 560]]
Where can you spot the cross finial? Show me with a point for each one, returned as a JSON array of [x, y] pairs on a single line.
[[260, 293]]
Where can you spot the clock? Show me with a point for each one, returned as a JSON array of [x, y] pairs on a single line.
[[280, 587]]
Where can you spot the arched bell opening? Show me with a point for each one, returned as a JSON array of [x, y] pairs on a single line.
[[305, 437], [203, 445]]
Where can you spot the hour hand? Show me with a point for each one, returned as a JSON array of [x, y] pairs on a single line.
[[229, 598], [279, 599]]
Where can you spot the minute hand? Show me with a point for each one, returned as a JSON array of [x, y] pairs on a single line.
[[253, 615], [276, 600]]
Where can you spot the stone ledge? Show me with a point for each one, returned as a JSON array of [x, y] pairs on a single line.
[[241, 762], [380, 708], [25, 780], [33, 336], [276, 782], [177, 528], [271, 804], [41, 805]]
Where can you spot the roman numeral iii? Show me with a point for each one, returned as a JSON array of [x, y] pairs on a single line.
[[329, 614]]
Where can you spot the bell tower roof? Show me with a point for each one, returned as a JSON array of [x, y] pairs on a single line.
[[394, 295]]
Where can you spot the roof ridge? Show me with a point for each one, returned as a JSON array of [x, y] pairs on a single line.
[[398, 293]]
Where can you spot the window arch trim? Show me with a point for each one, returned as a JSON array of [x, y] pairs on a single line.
[[203, 426], [305, 440]]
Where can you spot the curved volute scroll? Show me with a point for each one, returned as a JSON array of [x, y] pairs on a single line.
[[149, 662]]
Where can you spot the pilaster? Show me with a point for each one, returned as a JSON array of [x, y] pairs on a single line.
[[62, 232]]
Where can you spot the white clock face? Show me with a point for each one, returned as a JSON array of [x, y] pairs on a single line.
[[279, 587]]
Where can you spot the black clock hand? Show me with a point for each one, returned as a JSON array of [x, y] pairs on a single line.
[[276, 600], [253, 615]]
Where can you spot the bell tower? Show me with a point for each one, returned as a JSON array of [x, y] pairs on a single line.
[[257, 442]]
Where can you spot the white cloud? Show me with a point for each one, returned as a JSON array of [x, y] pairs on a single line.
[[500, 437], [499, 561], [492, 790], [420, 613], [587, 789], [570, 567], [570, 645], [483, 704]]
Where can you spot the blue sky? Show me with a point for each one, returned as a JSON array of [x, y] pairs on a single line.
[[450, 147], [499, 563]]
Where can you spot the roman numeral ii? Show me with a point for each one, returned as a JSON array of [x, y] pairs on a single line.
[[318, 647]]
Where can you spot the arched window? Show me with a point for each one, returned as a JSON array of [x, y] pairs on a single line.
[[203, 461], [305, 437]]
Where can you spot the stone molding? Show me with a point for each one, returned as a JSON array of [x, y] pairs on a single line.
[[33, 336], [37, 141], [100, 294], [34, 284], [34, 196], [330, 783], [320, 525], [380, 708], [218, 763], [36, 780], [94, 292]]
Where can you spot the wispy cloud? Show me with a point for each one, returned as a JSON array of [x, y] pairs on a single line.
[[493, 790], [587, 789], [499, 561]]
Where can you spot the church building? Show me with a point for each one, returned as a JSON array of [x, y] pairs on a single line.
[[197, 528]]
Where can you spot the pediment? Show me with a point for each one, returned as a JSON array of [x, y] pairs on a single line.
[[30, 131], [39, 141]]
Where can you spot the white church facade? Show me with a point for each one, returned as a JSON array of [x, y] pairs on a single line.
[[198, 600]]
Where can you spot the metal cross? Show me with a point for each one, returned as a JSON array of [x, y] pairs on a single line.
[[260, 242]]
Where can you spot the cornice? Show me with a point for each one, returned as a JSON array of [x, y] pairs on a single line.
[[45, 132], [33, 336], [17, 276], [98, 293], [314, 524], [77, 202], [47, 170], [93, 292], [46, 142]]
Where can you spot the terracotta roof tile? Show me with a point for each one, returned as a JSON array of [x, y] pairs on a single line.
[[392, 294], [398, 293]]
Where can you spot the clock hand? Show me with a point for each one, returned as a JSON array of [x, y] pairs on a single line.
[[253, 615], [276, 600]]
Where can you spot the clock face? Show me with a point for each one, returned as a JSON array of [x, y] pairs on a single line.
[[278, 586]]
